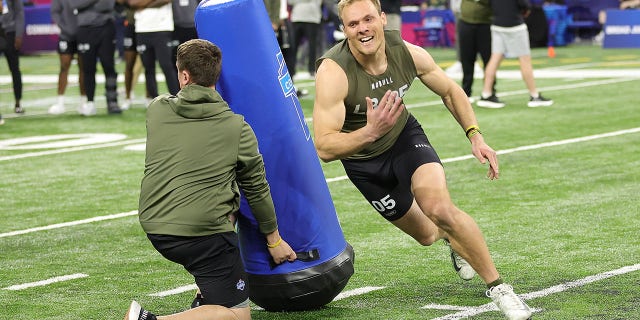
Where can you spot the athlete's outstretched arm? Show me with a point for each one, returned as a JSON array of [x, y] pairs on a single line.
[[456, 101], [329, 115]]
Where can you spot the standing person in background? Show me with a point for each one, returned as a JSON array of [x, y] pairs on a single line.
[[184, 25], [474, 37], [306, 16], [154, 35], [359, 118], [12, 30], [199, 155], [279, 16], [62, 15], [392, 9], [97, 41], [130, 53], [510, 38]]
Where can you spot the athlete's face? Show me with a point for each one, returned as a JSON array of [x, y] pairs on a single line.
[[364, 27]]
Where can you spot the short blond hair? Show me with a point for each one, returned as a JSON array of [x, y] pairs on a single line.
[[344, 3]]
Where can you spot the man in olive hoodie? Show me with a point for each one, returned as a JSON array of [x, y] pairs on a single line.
[[199, 154]]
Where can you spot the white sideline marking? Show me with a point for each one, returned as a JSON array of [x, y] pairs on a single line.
[[178, 290], [472, 311], [532, 147], [525, 91], [355, 292], [193, 287], [69, 224], [329, 180], [47, 282], [71, 149]]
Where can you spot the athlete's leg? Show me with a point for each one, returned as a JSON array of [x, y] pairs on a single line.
[[526, 69], [418, 226], [429, 186], [65, 63], [208, 312], [490, 71]]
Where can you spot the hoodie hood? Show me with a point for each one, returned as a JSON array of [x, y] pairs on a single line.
[[198, 102]]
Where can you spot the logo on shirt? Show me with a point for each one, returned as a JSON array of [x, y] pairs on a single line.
[[240, 285], [380, 83]]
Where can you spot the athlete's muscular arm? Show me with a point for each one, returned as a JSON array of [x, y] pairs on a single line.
[[329, 115], [456, 101]]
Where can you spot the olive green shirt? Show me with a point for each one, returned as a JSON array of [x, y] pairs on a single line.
[[400, 73], [475, 11], [198, 155]]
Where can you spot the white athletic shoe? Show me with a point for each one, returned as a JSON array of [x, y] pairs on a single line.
[[87, 109], [462, 267], [508, 302], [126, 105], [56, 109]]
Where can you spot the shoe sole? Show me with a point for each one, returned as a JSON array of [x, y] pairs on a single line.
[[490, 105], [133, 312], [539, 104]]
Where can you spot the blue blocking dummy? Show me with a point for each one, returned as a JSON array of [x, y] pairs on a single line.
[[256, 83]]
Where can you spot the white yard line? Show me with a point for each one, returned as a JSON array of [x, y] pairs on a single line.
[[472, 311], [46, 282], [71, 149], [178, 290], [69, 224], [525, 91], [340, 178], [532, 147]]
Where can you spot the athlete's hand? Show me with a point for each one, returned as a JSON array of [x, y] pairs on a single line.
[[279, 249], [384, 116], [485, 153]]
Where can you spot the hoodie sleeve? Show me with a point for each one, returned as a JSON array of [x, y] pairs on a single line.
[[250, 174]]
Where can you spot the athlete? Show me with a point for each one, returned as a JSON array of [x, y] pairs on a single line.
[[359, 118]]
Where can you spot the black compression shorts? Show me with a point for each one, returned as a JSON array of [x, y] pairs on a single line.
[[215, 263], [385, 181]]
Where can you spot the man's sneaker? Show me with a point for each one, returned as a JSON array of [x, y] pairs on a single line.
[[508, 302], [56, 109], [126, 105], [87, 109], [462, 267], [490, 102], [113, 108], [136, 312], [540, 101]]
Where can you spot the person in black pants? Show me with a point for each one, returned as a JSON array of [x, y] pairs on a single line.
[[96, 39], [11, 31], [154, 35], [474, 37]]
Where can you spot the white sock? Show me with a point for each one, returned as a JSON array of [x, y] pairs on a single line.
[[83, 99], [61, 100], [534, 94], [485, 95]]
